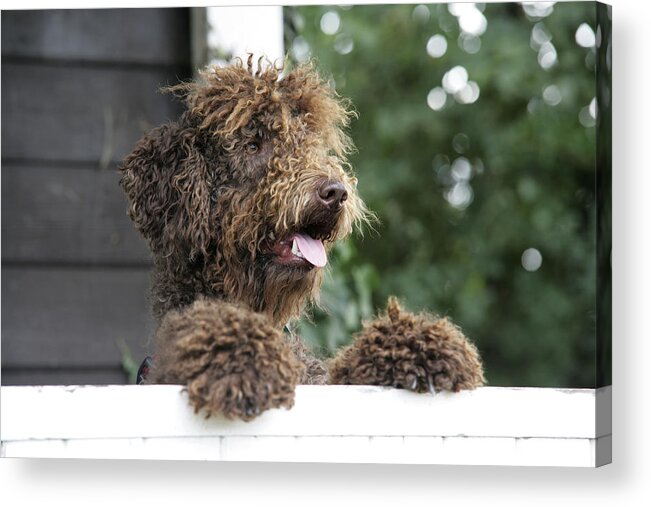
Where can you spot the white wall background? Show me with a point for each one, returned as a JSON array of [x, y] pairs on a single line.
[[626, 482], [244, 30]]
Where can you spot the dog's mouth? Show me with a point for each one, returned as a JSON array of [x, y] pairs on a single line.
[[303, 246], [300, 249]]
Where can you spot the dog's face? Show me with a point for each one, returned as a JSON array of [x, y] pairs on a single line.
[[259, 189]]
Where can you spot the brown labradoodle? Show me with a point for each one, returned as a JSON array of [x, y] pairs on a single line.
[[240, 201]]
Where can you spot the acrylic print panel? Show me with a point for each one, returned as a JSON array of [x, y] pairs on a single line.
[[482, 145]]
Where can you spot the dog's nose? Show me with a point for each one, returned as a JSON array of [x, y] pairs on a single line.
[[332, 194]]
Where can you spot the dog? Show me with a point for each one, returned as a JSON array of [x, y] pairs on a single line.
[[240, 201]]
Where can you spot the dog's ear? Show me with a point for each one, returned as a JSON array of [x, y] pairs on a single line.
[[165, 179]]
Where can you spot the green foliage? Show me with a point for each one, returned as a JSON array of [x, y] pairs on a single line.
[[129, 365], [463, 191]]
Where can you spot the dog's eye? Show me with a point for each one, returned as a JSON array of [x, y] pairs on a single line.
[[252, 148]]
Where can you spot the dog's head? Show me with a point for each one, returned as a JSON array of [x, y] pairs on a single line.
[[249, 190]]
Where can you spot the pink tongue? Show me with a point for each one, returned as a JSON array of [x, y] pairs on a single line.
[[312, 249]]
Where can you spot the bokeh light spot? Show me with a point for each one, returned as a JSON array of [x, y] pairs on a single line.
[[536, 10], [469, 43], [456, 9], [437, 45], [460, 195], [588, 114], [330, 23], [585, 118], [455, 79], [343, 44], [461, 169], [593, 108], [470, 18], [547, 56], [440, 160], [533, 105], [539, 35], [420, 13], [473, 22], [301, 49], [469, 93], [531, 259], [436, 98], [585, 36], [552, 95]]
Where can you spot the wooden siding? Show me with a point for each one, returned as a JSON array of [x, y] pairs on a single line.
[[79, 88], [66, 215]]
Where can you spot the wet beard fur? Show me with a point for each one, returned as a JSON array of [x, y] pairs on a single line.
[[284, 291], [279, 291]]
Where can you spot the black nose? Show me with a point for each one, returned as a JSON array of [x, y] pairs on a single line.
[[332, 194]]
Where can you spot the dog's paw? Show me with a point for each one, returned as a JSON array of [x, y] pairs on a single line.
[[242, 395], [416, 352], [233, 361]]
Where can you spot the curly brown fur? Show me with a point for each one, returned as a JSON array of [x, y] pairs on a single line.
[[234, 361], [416, 352], [208, 202], [255, 164], [315, 372]]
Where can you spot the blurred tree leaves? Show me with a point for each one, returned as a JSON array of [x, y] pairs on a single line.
[[463, 191]]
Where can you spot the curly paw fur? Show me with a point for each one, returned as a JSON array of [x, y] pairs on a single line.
[[416, 352], [233, 361]]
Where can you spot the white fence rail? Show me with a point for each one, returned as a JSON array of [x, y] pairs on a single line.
[[345, 424]]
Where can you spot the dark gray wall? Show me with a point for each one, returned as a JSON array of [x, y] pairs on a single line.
[[79, 88]]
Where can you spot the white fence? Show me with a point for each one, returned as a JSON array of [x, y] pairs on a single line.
[[345, 424]]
